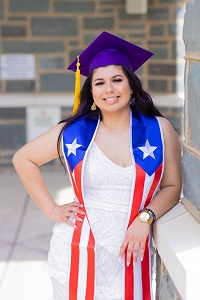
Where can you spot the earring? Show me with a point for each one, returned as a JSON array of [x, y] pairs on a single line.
[[132, 101], [93, 107]]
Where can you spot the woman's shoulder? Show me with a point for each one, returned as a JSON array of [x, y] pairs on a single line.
[[82, 123], [59, 126], [56, 129], [166, 125], [169, 132]]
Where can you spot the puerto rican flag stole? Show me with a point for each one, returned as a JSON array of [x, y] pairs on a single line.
[[147, 148]]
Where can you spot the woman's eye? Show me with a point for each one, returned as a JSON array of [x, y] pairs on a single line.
[[117, 80], [99, 83]]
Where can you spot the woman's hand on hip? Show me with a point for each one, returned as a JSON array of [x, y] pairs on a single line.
[[64, 213], [135, 241]]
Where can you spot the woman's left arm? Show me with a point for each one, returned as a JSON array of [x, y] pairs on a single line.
[[165, 199], [171, 183]]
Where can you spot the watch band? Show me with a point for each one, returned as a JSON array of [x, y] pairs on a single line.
[[151, 214]]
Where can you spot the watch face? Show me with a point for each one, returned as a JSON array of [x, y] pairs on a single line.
[[144, 216]]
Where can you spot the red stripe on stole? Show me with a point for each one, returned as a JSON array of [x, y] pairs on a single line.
[[75, 251], [74, 267], [73, 182], [137, 198], [91, 269], [146, 271], [155, 182], [77, 174]]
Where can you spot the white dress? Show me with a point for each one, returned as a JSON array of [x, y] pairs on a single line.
[[107, 191]]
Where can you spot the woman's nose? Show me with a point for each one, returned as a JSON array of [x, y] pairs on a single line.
[[109, 88]]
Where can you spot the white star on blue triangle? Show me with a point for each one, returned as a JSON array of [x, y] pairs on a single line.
[[72, 147], [148, 150]]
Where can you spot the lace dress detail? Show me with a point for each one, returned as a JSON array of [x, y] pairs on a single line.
[[107, 191], [107, 199]]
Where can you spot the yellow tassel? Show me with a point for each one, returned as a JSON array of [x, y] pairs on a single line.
[[77, 86]]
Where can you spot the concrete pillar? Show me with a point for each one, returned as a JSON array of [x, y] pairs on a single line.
[[191, 145], [178, 261]]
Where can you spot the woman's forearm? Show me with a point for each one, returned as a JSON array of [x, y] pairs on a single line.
[[26, 161], [164, 200], [34, 184]]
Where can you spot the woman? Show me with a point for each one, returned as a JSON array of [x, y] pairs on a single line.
[[124, 162]]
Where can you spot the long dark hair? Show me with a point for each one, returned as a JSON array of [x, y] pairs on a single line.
[[143, 102]]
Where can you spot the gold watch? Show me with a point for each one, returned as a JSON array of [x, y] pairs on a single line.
[[145, 217]]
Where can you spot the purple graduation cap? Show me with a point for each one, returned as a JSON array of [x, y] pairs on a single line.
[[108, 49]]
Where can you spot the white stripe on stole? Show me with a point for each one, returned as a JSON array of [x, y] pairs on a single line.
[[83, 260], [70, 242], [150, 267], [147, 186], [137, 273], [137, 270], [123, 277], [69, 258]]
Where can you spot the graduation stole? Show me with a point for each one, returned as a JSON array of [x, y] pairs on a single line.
[[147, 153]]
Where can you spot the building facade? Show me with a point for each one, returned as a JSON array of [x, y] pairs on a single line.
[[39, 39]]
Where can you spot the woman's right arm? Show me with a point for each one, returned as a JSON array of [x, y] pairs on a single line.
[[27, 161]]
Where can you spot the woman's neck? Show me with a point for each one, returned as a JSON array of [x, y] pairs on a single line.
[[116, 121]]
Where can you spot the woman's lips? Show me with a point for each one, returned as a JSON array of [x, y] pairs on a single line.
[[111, 99]]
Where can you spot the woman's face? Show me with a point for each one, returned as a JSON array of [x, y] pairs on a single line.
[[110, 88]]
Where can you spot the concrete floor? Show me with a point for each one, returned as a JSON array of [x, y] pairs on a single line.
[[24, 237]]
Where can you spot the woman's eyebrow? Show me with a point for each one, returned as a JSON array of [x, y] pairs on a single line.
[[117, 76], [112, 77], [98, 79]]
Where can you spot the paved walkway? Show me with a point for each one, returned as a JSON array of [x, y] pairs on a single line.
[[24, 237]]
